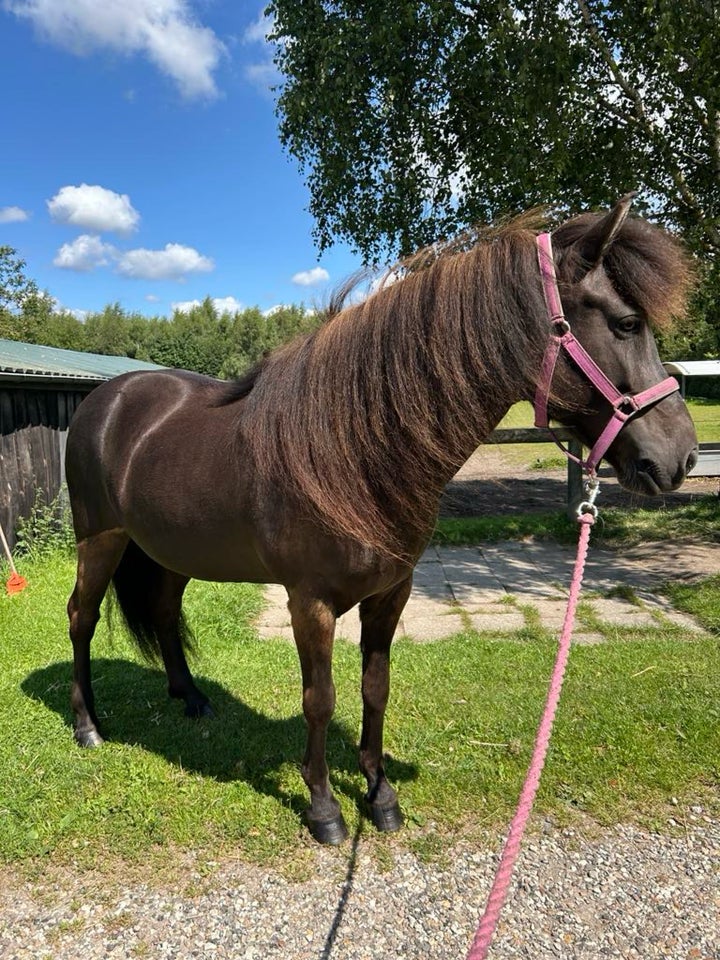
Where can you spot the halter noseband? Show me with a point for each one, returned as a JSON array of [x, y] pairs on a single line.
[[624, 405]]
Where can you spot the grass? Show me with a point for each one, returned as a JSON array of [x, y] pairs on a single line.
[[456, 531], [706, 417], [701, 600], [616, 527], [638, 725]]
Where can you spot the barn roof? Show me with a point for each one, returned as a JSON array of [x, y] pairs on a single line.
[[30, 361]]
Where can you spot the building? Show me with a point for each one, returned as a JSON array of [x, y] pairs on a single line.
[[40, 390]]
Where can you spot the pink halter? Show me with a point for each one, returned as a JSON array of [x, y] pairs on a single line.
[[624, 405]]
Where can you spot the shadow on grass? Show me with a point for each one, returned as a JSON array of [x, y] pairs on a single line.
[[239, 744]]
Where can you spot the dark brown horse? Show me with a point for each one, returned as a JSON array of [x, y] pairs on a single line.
[[322, 469]]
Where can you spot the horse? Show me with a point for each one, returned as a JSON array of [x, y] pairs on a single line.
[[322, 468]]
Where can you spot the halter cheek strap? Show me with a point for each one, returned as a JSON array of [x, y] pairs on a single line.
[[625, 406]]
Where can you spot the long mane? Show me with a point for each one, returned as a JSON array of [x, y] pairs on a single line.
[[368, 417], [647, 266]]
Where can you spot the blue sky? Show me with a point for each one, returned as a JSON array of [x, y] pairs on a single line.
[[140, 159]]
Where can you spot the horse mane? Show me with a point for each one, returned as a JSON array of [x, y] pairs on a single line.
[[647, 266], [367, 417]]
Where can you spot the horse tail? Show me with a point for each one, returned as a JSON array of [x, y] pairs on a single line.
[[138, 583]]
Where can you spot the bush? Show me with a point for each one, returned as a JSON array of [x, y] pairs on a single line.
[[47, 529]]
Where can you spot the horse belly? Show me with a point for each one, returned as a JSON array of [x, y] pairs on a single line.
[[203, 551]]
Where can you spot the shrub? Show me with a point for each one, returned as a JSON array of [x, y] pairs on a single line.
[[47, 529]]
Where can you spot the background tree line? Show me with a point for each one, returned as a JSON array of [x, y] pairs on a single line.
[[225, 344], [200, 339]]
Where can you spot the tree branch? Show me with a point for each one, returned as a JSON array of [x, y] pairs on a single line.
[[639, 115]]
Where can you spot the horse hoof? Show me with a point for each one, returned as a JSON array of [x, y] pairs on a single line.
[[88, 738], [197, 710], [387, 819], [330, 832]]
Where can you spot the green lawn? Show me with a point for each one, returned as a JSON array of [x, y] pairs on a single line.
[[638, 725], [616, 527], [543, 456]]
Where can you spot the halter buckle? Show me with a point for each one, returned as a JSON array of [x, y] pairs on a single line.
[[627, 405]]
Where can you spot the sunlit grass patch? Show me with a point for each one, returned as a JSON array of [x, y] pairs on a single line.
[[638, 724]]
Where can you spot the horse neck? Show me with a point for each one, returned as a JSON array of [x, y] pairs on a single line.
[[495, 408], [437, 364], [370, 417]]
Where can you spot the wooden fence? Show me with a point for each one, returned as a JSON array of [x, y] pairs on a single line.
[[33, 432], [708, 464], [575, 494]]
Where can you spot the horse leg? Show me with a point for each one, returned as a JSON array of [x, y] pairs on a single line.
[[313, 625], [379, 616], [170, 630], [98, 556]]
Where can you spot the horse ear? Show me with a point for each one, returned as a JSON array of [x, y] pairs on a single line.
[[597, 241]]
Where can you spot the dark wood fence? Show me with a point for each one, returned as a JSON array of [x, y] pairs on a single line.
[[33, 430]]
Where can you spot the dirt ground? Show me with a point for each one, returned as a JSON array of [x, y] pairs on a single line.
[[487, 485]]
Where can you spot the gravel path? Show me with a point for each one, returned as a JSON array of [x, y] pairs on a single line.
[[623, 893]]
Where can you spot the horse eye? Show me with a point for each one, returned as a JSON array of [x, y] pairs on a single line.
[[629, 324]]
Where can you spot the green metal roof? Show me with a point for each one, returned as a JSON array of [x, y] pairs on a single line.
[[30, 361]]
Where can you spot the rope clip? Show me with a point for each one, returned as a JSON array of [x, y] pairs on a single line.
[[587, 506]]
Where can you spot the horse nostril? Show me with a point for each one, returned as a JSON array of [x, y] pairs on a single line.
[[691, 461]]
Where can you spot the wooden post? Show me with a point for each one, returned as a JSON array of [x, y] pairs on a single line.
[[575, 493]]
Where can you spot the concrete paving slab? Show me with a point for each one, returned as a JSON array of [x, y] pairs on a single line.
[[348, 627], [589, 639], [456, 586], [505, 622], [683, 621], [431, 628]]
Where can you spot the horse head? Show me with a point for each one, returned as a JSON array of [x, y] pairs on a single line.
[[617, 277]]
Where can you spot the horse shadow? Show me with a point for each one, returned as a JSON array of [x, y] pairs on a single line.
[[239, 744]]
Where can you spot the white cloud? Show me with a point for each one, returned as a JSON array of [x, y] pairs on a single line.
[[227, 304], [264, 75], [309, 311], [184, 306], [311, 278], [152, 298], [58, 307], [221, 304], [170, 263], [13, 215], [94, 208], [258, 31], [165, 31], [84, 254]]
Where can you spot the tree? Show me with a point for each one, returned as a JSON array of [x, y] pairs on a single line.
[[15, 288], [413, 119], [107, 332], [63, 329], [24, 308]]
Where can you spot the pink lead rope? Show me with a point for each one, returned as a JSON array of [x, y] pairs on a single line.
[[561, 339], [501, 883]]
